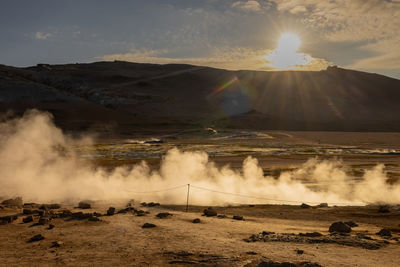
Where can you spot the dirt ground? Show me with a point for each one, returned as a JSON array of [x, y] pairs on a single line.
[[120, 240]]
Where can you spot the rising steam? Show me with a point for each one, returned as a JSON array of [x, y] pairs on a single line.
[[34, 165]]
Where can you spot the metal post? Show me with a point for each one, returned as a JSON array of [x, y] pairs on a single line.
[[187, 198]]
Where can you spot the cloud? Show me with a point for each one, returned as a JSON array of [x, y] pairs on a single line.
[[250, 5], [225, 58], [238, 58], [374, 22], [42, 35]]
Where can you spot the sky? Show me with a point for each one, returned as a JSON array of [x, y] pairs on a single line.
[[231, 34]]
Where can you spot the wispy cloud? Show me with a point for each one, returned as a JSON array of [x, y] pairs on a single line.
[[42, 35], [250, 5], [237, 58]]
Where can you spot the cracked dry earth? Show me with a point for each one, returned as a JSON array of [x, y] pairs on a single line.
[[120, 240]]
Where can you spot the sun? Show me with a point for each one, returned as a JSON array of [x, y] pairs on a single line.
[[286, 55]]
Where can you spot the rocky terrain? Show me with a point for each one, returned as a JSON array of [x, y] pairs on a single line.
[[124, 97], [150, 234]]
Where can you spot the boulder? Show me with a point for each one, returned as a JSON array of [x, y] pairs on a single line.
[[197, 220], [36, 238], [305, 206], [384, 232], [28, 219], [110, 211], [8, 219], [84, 205], [209, 212], [13, 202], [148, 225], [323, 205], [237, 217], [339, 227], [384, 209], [163, 215]]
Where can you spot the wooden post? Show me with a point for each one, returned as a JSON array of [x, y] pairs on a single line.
[[187, 198]]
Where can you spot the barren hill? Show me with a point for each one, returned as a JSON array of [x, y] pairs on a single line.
[[131, 96]]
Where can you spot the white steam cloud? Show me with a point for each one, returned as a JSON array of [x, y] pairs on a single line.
[[34, 165]]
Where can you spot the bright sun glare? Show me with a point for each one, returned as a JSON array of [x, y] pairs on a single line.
[[285, 56]]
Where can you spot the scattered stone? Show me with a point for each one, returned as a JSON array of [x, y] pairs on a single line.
[[163, 215], [150, 204], [351, 224], [237, 217], [8, 219], [36, 238], [251, 253], [110, 211], [305, 206], [384, 209], [13, 202], [148, 225], [221, 216], [384, 233], [50, 206], [84, 205], [43, 220], [339, 227], [197, 220], [323, 205], [56, 244], [140, 213], [51, 226], [299, 251], [313, 234], [28, 219], [210, 212]]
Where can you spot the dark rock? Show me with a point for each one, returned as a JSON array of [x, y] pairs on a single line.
[[27, 211], [51, 226], [123, 211], [197, 220], [65, 214], [40, 212], [313, 234], [50, 206], [150, 204], [251, 253], [84, 205], [305, 206], [209, 212], [384, 209], [237, 217], [110, 211], [221, 216], [339, 227], [36, 238], [384, 232], [8, 219], [163, 215], [28, 219], [299, 251], [97, 214], [148, 225], [351, 224], [13, 202], [81, 216], [56, 244], [31, 205], [140, 213]]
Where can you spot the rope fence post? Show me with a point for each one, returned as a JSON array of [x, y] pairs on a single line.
[[187, 198]]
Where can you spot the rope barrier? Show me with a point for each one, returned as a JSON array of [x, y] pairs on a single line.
[[233, 194], [157, 191]]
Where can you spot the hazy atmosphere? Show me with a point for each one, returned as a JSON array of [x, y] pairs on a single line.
[[245, 133], [357, 34]]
